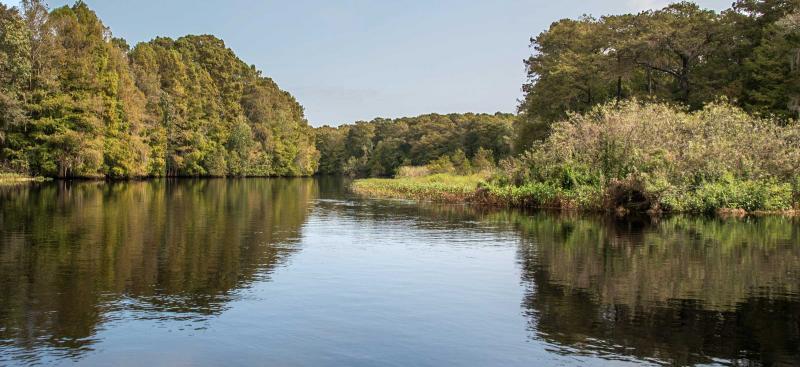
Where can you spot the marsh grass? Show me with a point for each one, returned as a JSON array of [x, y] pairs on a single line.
[[437, 187], [14, 179]]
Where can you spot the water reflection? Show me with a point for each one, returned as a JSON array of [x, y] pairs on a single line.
[[678, 290], [79, 258], [71, 253]]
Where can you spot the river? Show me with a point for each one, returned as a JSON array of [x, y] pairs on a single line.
[[298, 272]]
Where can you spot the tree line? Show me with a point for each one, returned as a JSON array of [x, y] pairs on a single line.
[[683, 54], [77, 102], [381, 146]]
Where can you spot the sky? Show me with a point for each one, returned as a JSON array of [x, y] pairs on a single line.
[[351, 60]]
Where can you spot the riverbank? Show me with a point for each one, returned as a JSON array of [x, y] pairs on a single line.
[[740, 199], [16, 179], [437, 188]]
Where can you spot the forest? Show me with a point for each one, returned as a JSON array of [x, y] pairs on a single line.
[[77, 102], [681, 54], [380, 147], [679, 109]]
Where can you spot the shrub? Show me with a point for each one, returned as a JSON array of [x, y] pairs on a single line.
[[442, 164], [460, 162], [663, 157], [483, 161], [412, 171]]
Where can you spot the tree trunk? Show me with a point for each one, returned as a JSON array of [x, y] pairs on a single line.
[[683, 79]]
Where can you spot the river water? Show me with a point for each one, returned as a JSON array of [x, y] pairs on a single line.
[[297, 272]]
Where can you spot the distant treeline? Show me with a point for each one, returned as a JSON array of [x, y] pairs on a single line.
[[76, 102], [682, 53], [379, 147]]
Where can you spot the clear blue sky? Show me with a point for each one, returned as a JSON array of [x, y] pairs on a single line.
[[355, 60]]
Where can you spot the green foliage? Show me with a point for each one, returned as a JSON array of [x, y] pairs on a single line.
[[681, 53], [77, 102], [436, 187], [658, 157], [749, 195], [483, 161], [412, 171], [330, 142], [15, 68], [461, 164], [380, 147], [773, 70], [442, 164]]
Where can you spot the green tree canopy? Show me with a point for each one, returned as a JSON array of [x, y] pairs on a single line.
[[78, 102]]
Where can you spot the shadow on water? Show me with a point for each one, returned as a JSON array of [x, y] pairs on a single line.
[[71, 254]]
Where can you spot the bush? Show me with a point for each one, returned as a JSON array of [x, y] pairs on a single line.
[[442, 164], [483, 161], [659, 157], [412, 171], [461, 164]]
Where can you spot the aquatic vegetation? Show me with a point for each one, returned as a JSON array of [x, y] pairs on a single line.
[[437, 187]]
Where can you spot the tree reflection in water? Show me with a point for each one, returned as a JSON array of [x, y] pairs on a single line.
[[73, 253], [680, 290], [675, 290]]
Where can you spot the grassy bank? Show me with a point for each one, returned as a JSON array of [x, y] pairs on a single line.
[[639, 158], [14, 179], [437, 187], [735, 198]]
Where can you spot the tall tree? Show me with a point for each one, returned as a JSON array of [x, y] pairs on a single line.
[[15, 69]]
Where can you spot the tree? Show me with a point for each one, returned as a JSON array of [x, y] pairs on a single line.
[[567, 70], [773, 69], [680, 54], [483, 161], [678, 42], [71, 93], [379, 147], [15, 69], [460, 162]]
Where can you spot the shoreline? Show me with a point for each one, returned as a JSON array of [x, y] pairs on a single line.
[[437, 190], [9, 179]]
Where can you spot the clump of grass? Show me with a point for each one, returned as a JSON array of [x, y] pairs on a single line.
[[437, 187], [15, 178]]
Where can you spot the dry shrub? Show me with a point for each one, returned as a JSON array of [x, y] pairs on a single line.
[[664, 155]]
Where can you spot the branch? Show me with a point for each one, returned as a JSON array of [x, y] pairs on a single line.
[[670, 72]]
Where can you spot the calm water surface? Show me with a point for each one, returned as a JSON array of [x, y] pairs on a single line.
[[299, 273]]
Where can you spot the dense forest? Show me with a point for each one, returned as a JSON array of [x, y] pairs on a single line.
[[381, 146], [77, 102], [681, 54]]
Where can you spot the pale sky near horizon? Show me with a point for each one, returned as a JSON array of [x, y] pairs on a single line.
[[356, 59]]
